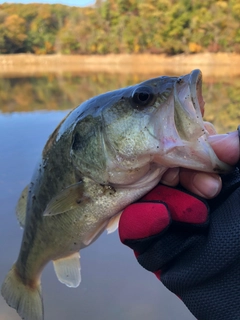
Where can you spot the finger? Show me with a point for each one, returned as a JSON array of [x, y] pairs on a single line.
[[142, 220], [171, 177], [226, 147], [206, 185], [210, 128]]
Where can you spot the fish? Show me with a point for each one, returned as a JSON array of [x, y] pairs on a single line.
[[105, 154]]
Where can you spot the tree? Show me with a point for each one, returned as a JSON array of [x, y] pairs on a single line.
[[14, 33]]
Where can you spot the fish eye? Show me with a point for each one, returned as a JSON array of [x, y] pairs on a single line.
[[142, 97]]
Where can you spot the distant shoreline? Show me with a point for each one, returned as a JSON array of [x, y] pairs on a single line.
[[212, 64]]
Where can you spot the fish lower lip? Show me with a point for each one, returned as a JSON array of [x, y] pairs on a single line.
[[195, 84]]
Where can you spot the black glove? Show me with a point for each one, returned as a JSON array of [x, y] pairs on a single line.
[[192, 245]]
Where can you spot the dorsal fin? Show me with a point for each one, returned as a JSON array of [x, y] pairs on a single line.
[[21, 207]]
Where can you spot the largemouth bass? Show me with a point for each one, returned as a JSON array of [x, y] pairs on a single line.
[[106, 154]]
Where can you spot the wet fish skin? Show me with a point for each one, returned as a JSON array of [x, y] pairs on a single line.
[[105, 154]]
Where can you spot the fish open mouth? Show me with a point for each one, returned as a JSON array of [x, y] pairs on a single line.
[[185, 138], [195, 85], [189, 106]]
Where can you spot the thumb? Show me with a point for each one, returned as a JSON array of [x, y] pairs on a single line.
[[141, 221]]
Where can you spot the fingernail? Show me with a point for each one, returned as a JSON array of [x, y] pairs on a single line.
[[208, 185]]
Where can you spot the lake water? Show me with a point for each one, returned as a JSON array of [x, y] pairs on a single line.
[[113, 285]]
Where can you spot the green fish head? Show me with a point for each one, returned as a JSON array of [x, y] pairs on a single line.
[[121, 135]]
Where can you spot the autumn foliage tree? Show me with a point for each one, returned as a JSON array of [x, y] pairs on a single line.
[[122, 26], [13, 33]]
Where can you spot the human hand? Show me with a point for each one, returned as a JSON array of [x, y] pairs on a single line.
[[196, 254], [206, 185]]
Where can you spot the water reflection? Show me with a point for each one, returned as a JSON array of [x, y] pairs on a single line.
[[113, 285], [66, 91], [57, 92]]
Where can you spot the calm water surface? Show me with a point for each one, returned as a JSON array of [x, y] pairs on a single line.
[[113, 285]]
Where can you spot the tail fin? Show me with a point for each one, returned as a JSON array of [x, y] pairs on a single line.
[[26, 300]]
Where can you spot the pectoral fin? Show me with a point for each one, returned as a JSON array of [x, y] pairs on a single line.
[[113, 223], [21, 207], [68, 199], [68, 270], [95, 233], [110, 225]]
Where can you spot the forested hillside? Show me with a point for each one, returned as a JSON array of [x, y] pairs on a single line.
[[122, 26]]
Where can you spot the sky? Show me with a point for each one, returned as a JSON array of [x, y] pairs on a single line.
[[78, 3]]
